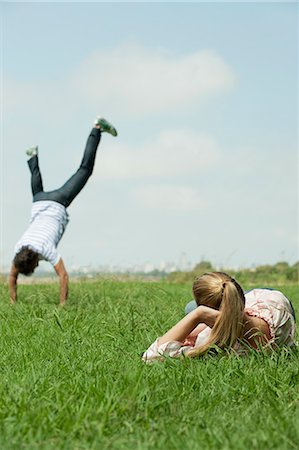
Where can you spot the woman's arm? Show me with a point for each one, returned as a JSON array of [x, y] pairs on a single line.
[[256, 331], [202, 314]]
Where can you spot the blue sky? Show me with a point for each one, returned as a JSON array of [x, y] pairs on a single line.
[[205, 99]]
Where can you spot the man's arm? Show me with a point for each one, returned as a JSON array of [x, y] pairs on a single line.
[[63, 280], [12, 282]]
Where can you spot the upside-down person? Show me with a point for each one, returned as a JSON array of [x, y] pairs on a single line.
[[222, 315], [49, 216]]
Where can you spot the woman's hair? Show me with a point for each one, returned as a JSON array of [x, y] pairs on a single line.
[[218, 290], [26, 261]]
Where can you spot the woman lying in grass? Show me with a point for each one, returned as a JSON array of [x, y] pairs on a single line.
[[225, 317]]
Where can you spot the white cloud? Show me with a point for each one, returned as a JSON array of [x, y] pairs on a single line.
[[135, 80], [129, 80], [168, 198], [170, 153]]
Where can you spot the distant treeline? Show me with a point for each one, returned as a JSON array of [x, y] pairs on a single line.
[[279, 273]]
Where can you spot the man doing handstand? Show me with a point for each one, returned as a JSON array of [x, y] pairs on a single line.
[[49, 216]]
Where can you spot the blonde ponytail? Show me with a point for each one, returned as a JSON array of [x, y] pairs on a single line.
[[218, 290]]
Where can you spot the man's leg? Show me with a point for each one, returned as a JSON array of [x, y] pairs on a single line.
[[66, 194], [36, 178]]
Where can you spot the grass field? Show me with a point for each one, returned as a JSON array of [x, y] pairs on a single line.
[[73, 378]]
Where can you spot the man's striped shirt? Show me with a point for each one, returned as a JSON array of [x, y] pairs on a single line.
[[47, 225]]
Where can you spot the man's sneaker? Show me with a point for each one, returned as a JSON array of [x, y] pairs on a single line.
[[32, 151], [105, 126]]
